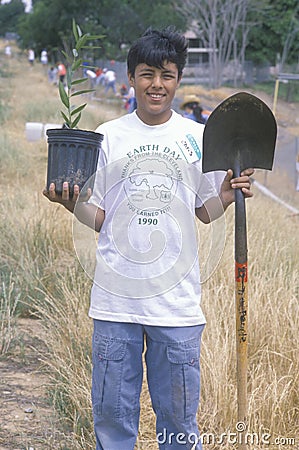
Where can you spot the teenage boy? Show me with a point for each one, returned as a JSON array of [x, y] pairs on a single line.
[[146, 292]]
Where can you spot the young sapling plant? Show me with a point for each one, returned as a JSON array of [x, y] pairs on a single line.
[[73, 153], [72, 115]]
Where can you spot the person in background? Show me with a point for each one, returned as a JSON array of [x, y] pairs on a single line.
[[44, 57], [193, 110], [31, 56], [52, 75], [7, 51], [123, 90], [110, 81], [100, 76], [92, 77], [61, 71], [131, 104]]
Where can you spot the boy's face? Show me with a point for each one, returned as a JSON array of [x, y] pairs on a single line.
[[154, 90]]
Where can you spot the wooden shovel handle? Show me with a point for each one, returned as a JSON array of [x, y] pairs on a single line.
[[241, 304]]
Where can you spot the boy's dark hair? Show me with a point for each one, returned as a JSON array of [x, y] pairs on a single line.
[[156, 47]]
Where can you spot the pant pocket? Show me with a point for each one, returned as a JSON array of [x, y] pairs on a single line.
[[108, 362], [185, 378]]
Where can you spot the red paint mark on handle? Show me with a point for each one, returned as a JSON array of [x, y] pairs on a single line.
[[241, 272]]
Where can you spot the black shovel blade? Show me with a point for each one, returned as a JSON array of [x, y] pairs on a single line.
[[240, 132]]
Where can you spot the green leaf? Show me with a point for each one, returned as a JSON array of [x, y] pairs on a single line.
[[81, 80], [88, 66], [69, 76], [77, 64], [66, 119], [85, 91], [63, 95], [75, 31], [93, 47], [67, 57], [91, 37], [76, 121], [77, 110], [81, 42]]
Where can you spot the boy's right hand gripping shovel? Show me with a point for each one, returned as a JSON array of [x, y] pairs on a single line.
[[240, 134]]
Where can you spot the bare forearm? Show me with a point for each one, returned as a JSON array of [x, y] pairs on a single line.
[[87, 213], [90, 215], [211, 210]]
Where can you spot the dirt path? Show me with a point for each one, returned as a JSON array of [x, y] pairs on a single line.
[[27, 421]]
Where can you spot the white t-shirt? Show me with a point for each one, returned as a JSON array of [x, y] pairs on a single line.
[[44, 57], [91, 73], [110, 76], [31, 54], [149, 182], [131, 92]]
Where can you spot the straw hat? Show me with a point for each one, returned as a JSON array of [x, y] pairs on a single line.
[[189, 99]]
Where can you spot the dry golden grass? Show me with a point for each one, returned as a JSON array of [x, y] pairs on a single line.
[[273, 321], [37, 250]]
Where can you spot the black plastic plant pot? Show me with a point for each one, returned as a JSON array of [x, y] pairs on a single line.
[[72, 157]]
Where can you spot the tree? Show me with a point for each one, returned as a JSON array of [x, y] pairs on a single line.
[[9, 15], [125, 20], [276, 33], [50, 24], [236, 30], [289, 48], [222, 27], [121, 21]]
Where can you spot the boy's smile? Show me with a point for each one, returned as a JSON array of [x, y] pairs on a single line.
[[155, 89]]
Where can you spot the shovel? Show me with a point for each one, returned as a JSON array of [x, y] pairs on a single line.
[[239, 134]]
